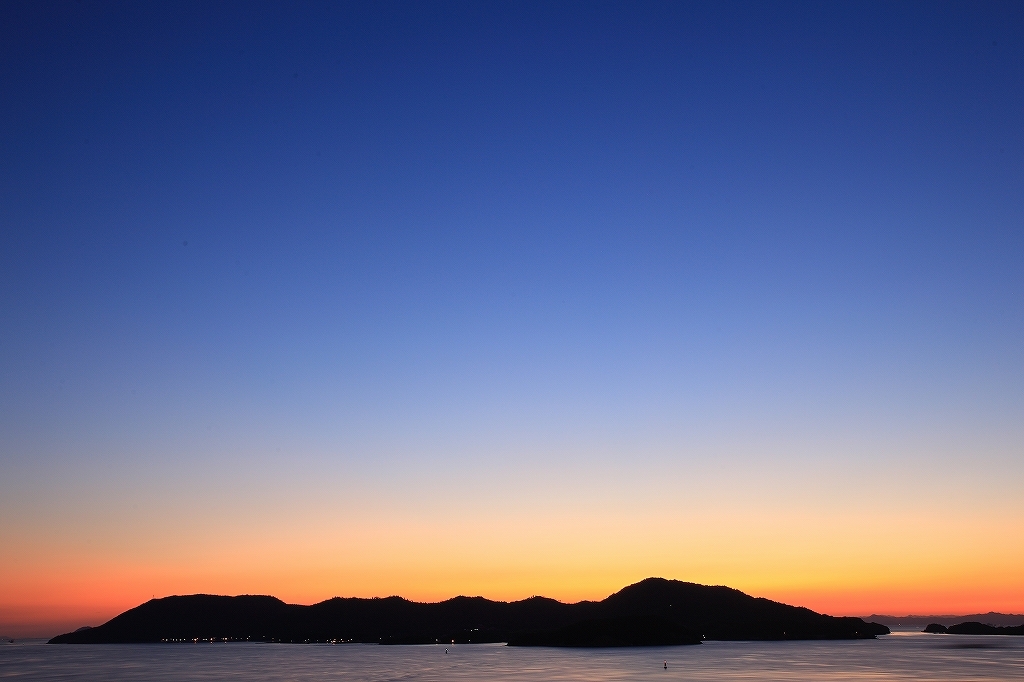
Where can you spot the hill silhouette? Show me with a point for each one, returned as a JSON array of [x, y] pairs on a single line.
[[974, 628], [654, 611], [990, 618]]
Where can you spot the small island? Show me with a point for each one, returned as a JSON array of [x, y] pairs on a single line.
[[973, 628], [653, 612]]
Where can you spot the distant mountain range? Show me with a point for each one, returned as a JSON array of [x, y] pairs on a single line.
[[653, 612], [990, 618]]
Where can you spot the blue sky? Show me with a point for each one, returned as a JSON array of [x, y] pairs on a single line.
[[392, 238]]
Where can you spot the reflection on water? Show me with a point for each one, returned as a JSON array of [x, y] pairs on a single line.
[[901, 656]]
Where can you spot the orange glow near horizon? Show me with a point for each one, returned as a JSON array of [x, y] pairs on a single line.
[[91, 600], [854, 565]]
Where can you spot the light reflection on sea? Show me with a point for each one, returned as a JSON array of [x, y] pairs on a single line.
[[901, 656]]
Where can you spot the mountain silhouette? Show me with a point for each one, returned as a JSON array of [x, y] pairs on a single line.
[[652, 612]]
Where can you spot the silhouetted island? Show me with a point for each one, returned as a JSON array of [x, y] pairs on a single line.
[[653, 612], [990, 618], [973, 628]]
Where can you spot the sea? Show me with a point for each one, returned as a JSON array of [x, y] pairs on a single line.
[[899, 656]]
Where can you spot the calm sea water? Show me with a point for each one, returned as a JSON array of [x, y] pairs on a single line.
[[901, 656]]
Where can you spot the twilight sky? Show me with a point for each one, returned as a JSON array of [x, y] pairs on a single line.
[[510, 299]]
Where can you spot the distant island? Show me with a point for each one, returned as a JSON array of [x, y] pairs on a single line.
[[990, 618], [974, 628], [653, 612]]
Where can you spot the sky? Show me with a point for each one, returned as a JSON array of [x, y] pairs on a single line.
[[504, 299]]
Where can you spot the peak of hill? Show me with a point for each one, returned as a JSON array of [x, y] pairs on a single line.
[[652, 612]]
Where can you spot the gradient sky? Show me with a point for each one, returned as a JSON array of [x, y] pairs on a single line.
[[510, 299]]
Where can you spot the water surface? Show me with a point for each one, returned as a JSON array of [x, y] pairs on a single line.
[[900, 656]]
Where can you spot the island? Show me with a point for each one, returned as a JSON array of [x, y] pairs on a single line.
[[653, 612], [973, 628]]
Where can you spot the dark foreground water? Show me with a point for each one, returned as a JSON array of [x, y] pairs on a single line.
[[901, 656]]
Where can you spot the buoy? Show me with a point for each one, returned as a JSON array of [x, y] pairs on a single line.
[[446, 649], [666, 665]]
